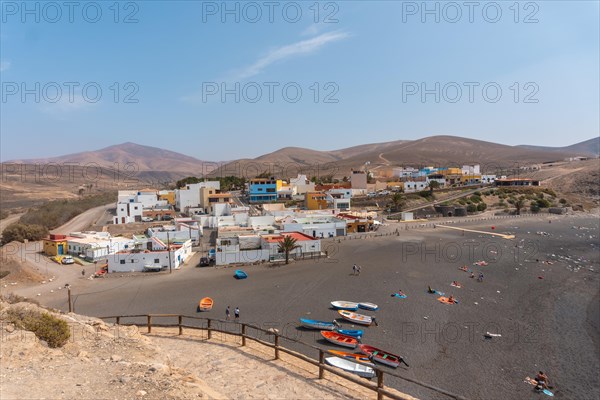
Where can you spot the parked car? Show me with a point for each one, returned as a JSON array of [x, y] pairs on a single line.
[[371, 194], [67, 260], [166, 218], [204, 262], [147, 219]]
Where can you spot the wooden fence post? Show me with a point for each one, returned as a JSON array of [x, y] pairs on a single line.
[[321, 360], [379, 384], [243, 334], [149, 323], [276, 346], [180, 318], [208, 326]]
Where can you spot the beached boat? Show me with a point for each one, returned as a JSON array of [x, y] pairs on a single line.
[[239, 274], [358, 357], [344, 305], [368, 306], [357, 333], [356, 318], [339, 339], [380, 356], [320, 325], [359, 369], [205, 304], [152, 268]]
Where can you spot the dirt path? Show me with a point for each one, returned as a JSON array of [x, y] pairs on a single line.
[[9, 220]]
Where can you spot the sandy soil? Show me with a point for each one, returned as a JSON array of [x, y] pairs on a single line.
[[549, 324]]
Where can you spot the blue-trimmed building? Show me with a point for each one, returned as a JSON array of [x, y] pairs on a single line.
[[263, 190]]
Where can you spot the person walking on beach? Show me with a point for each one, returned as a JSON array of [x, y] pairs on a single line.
[[83, 273], [354, 269], [358, 270], [236, 312], [480, 279], [227, 313]]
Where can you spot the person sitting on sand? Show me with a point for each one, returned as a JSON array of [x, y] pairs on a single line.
[[472, 275], [542, 380], [430, 290], [454, 283], [451, 299], [401, 293]]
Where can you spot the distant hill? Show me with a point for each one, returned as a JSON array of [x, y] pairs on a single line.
[[585, 148], [433, 150], [131, 155]]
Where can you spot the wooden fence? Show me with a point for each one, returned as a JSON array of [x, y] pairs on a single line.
[[242, 330]]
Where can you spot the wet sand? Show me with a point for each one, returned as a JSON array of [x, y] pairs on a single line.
[[550, 324]]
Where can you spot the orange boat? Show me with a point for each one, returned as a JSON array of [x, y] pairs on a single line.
[[339, 339], [205, 304]]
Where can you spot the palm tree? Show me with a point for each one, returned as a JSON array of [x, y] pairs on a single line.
[[287, 245]]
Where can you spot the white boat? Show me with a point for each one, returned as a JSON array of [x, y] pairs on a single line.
[[356, 318], [368, 306], [359, 369], [344, 305]]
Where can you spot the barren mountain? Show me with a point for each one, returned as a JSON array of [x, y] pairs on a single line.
[[434, 150], [585, 148], [130, 156]]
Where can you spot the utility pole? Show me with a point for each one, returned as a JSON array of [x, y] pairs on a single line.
[[169, 251], [69, 297]]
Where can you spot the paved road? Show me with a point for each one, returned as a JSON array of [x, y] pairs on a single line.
[[85, 220]]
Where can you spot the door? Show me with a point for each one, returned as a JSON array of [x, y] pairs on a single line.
[[61, 249]]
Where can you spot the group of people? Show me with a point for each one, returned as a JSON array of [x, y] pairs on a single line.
[[356, 269], [236, 313]]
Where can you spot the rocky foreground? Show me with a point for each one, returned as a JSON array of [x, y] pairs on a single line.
[[105, 361]]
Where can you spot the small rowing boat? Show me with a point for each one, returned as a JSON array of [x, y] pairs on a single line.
[[359, 369], [239, 274], [344, 305], [339, 339], [357, 333], [358, 357], [356, 318], [205, 304], [368, 306], [320, 325], [380, 356]]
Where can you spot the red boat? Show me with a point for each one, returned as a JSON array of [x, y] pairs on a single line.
[[339, 339], [382, 357]]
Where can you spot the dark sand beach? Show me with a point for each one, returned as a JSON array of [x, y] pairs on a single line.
[[549, 324]]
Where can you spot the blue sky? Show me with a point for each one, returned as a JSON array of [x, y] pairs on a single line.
[[362, 69]]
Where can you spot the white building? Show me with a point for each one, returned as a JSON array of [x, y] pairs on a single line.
[[182, 230], [488, 178], [415, 186], [472, 169], [96, 245], [154, 254], [128, 213], [318, 226], [302, 185], [250, 248], [189, 197]]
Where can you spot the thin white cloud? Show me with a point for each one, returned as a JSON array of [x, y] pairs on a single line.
[[295, 49], [61, 108], [4, 65]]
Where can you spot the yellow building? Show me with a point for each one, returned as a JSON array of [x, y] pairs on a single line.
[[168, 195], [56, 245], [315, 200]]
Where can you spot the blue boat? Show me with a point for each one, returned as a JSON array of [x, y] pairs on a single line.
[[351, 332], [320, 325], [239, 274]]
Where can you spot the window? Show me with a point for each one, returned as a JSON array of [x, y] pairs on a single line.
[[156, 261], [122, 261]]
